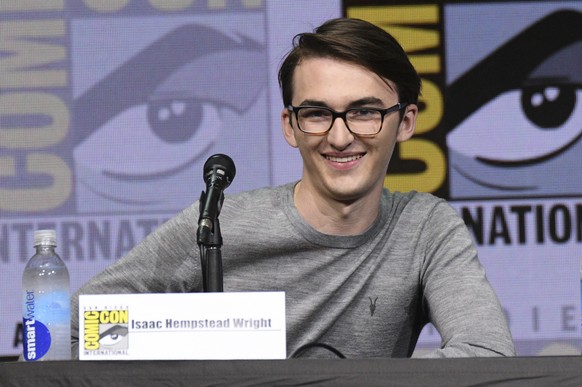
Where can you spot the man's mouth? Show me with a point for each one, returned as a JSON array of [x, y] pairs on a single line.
[[344, 159]]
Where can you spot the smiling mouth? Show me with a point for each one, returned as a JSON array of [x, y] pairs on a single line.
[[345, 159]]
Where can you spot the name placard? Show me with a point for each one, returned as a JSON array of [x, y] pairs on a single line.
[[181, 326]]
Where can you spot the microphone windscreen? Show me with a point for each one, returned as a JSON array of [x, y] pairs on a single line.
[[220, 162]]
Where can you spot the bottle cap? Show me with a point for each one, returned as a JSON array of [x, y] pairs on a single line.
[[45, 237]]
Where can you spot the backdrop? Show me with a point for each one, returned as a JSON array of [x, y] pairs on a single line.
[[109, 109]]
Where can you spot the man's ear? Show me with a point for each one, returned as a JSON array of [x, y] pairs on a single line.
[[408, 123], [288, 131]]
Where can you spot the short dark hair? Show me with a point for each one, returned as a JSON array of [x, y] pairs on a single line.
[[355, 41]]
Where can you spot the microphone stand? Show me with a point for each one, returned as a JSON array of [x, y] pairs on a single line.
[[213, 271], [210, 244]]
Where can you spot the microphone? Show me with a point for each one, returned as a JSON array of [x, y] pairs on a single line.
[[219, 171]]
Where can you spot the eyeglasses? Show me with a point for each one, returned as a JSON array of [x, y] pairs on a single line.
[[361, 121]]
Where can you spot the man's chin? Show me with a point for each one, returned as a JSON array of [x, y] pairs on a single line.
[[347, 193]]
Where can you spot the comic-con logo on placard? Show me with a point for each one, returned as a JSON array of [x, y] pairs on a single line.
[[105, 332], [516, 116]]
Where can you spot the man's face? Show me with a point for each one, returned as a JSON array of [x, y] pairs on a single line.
[[340, 166]]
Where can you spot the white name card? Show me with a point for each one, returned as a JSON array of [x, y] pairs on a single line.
[[180, 326]]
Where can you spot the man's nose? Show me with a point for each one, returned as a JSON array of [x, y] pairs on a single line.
[[339, 136]]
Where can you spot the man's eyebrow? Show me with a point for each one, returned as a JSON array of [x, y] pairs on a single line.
[[313, 102], [366, 101]]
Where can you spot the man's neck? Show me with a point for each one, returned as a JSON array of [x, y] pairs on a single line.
[[336, 217]]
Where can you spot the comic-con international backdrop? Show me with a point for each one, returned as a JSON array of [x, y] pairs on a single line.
[[108, 110]]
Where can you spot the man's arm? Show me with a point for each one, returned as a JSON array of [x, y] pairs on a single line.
[[462, 304], [165, 261]]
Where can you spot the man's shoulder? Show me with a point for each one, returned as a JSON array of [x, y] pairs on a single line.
[[259, 197], [413, 198], [261, 193], [418, 207]]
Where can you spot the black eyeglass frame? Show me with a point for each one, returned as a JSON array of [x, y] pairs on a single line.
[[343, 115]]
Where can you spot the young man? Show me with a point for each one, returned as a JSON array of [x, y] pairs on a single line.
[[364, 269]]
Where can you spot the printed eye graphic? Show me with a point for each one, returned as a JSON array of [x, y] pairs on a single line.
[[162, 110], [113, 335], [548, 106], [131, 144], [523, 124], [160, 113], [174, 120]]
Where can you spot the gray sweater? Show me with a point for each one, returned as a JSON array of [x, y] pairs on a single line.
[[366, 295]]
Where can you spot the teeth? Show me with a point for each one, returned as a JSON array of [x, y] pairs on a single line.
[[343, 159]]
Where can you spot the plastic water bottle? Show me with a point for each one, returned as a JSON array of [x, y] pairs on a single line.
[[46, 305]]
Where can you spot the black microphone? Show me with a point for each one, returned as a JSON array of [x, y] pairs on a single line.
[[219, 171]]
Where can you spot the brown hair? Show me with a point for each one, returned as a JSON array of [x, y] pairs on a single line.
[[355, 41]]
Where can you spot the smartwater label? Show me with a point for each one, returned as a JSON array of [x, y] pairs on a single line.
[[41, 314], [37, 337]]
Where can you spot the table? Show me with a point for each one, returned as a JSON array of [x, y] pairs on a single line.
[[518, 371]]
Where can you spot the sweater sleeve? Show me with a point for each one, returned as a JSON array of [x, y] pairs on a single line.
[[461, 303], [166, 261]]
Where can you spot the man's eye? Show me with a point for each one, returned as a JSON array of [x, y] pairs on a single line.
[[315, 113], [363, 114]]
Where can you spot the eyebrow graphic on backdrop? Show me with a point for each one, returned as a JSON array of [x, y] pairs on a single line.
[[530, 90], [163, 104]]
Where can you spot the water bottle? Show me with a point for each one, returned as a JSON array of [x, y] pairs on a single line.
[[46, 305]]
